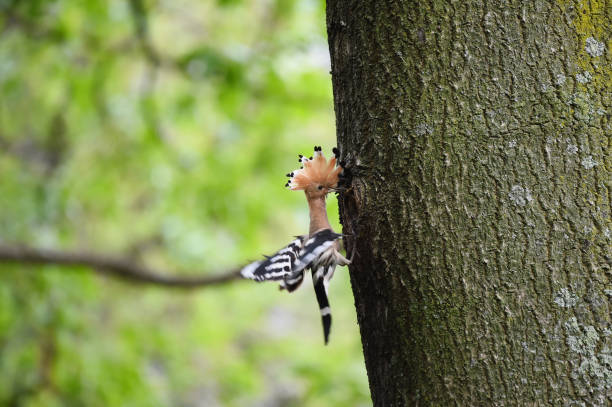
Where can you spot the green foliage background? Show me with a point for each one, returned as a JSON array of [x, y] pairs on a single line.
[[162, 130]]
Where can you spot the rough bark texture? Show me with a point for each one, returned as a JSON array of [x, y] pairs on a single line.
[[478, 133]]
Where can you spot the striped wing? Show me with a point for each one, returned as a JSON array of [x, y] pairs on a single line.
[[277, 266], [316, 245], [292, 282], [289, 264]]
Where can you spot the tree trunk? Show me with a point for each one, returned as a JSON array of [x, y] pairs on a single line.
[[478, 135]]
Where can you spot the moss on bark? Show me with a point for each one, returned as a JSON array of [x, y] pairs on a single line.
[[478, 133]]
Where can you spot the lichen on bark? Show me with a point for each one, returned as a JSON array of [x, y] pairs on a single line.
[[481, 199]]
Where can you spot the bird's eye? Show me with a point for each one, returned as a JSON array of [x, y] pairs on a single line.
[[320, 187]]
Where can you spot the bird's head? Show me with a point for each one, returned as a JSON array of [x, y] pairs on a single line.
[[317, 176]]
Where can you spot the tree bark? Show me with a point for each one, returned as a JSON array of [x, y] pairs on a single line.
[[478, 136]]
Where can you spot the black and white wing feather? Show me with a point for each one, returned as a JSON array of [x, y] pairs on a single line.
[[277, 266], [314, 247], [289, 264]]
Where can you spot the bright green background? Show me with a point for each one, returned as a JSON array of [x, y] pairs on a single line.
[[179, 165]]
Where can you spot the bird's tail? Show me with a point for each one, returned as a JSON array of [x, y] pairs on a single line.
[[321, 292]]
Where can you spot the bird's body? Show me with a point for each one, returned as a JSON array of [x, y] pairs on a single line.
[[319, 250]]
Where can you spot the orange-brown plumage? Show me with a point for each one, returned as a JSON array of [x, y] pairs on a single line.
[[316, 178], [316, 172]]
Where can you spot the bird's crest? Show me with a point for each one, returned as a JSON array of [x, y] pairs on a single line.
[[315, 170]]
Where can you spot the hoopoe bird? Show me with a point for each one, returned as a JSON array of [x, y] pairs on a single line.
[[319, 250]]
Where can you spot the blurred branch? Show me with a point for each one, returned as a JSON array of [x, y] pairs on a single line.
[[141, 27], [149, 109], [113, 266]]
